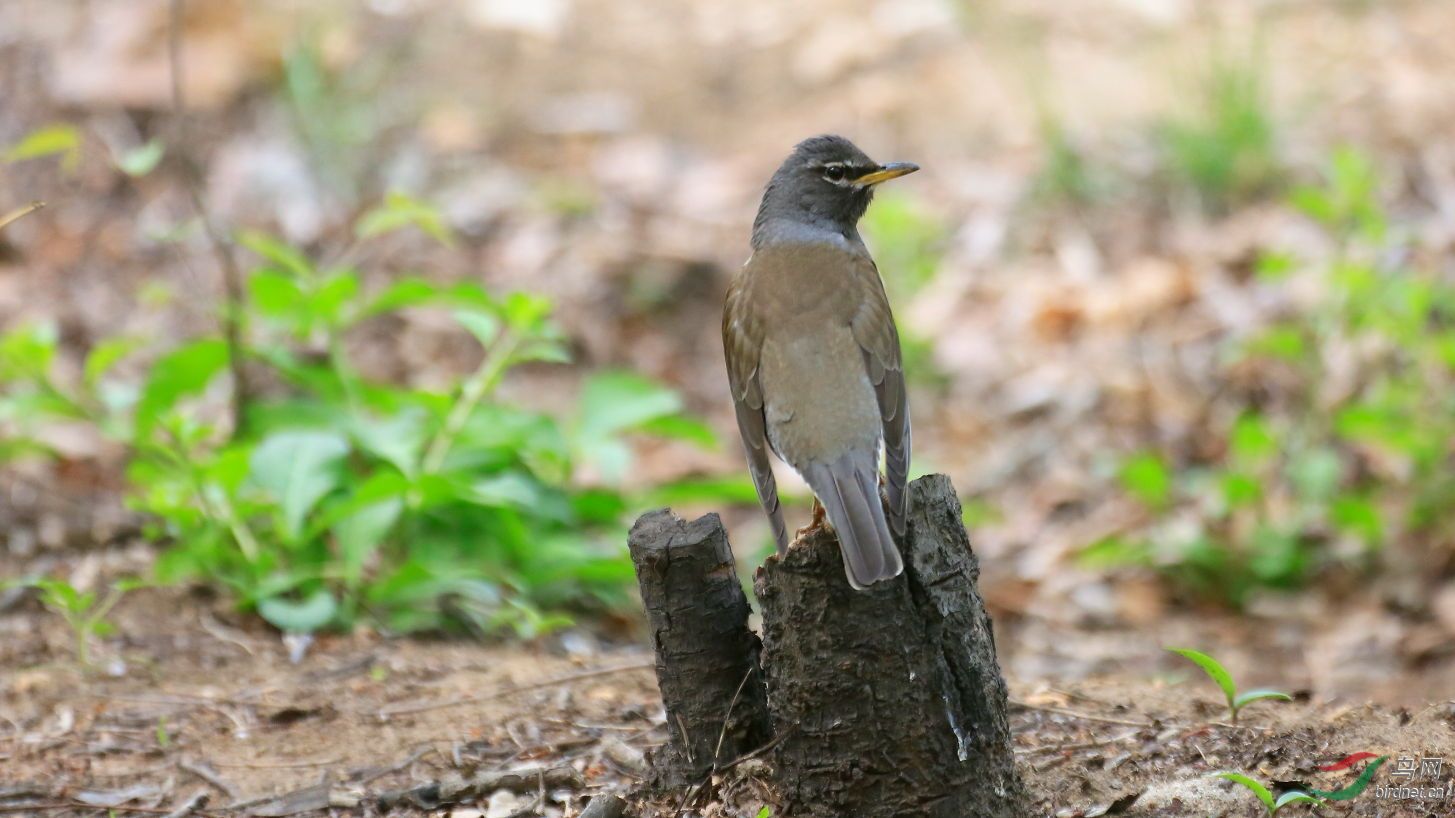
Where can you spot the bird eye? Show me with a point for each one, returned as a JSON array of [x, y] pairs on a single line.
[[834, 173]]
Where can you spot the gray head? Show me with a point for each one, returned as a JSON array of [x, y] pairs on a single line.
[[826, 183]]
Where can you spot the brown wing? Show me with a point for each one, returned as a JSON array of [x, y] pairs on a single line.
[[873, 327], [742, 341]]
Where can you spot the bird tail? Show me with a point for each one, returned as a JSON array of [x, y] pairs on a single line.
[[849, 491]]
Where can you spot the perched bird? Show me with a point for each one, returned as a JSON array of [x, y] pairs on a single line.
[[813, 354]]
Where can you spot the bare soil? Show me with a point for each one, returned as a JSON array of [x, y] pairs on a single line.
[[191, 698]]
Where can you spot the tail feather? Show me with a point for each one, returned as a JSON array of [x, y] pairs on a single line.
[[849, 491]]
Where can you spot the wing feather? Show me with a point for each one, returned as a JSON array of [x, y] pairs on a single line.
[[742, 340], [874, 330]]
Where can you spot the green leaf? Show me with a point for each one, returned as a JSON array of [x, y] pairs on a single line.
[[336, 291], [399, 440], [1250, 696], [1146, 478], [544, 350], [399, 211], [105, 355], [26, 352], [360, 535], [275, 293], [481, 324], [682, 427], [735, 490], [1275, 266], [304, 616], [1285, 342], [408, 292], [509, 490], [1213, 668], [1256, 788], [140, 161], [1359, 516], [527, 314], [1240, 490], [1294, 797], [765, 813], [298, 468], [52, 140], [1316, 473], [181, 373], [616, 401], [1251, 440], [280, 254], [1115, 551]]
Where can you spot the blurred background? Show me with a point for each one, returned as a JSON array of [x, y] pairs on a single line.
[[393, 314]]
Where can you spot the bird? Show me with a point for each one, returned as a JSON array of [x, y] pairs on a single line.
[[813, 355]]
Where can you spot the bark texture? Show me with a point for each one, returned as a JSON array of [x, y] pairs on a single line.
[[887, 702], [707, 658]]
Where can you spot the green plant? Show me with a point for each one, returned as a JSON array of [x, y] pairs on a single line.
[[52, 140], [84, 611], [1319, 474], [765, 812], [1265, 796], [1224, 680], [1066, 175], [1225, 148], [345, 497]]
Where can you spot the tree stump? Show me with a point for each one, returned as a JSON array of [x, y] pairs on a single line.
[[707, 658], [887, 702]]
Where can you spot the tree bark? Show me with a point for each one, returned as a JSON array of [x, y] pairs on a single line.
[[887, 702], [707, 658]]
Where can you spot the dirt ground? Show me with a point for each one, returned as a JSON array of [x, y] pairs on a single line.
[[195, 699]]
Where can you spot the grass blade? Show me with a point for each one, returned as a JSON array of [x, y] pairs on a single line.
[[1254, 786], [1214, 670]]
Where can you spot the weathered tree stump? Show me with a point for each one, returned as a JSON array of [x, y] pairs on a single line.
[[887, 702], [707, 658]]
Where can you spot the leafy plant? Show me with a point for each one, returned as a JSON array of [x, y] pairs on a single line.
[[52, 140], [1225, 149], [84, 611], [1224, 680], [1321, 473], [1066, 174], [345, 497], [1265, 796]]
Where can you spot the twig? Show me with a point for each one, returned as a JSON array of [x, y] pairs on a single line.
[[454, 790], [374, 775], [19, 213], [232, 278], [1077, 715], [1081, 745], [716, 770], [80, 807], [423, 707], [190, 806], [279, 765], [206, 773]]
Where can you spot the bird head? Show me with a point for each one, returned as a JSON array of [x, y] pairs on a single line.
[[825, 182]]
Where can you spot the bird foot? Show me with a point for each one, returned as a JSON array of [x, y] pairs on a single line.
[[816, 522]]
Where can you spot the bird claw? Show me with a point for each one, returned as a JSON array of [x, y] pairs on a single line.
[[816, 523]]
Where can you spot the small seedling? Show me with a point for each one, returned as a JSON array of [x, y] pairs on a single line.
[[84, 612], [765, 813], [1219, 674], [1273, 805]]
